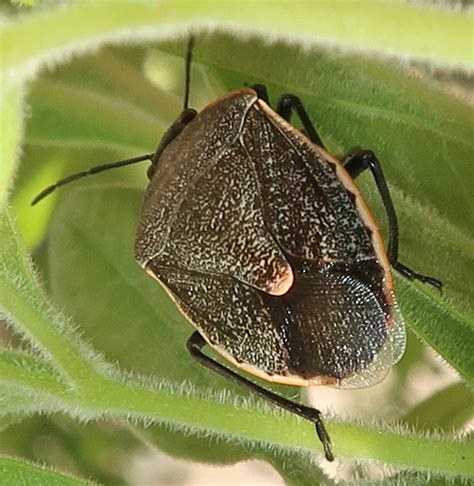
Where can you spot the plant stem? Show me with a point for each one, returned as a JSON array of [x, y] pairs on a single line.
[[252, 421], [24, 303]]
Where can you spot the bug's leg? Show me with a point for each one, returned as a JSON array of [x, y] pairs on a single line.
[[195, 344], [355, 164], [287, 104], [262, 92]]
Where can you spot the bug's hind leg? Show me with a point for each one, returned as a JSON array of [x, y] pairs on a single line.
[[286, 105], [356, 163], [195, 344]]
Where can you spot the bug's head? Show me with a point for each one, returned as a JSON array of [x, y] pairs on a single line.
[[184, 117], [173, 131]]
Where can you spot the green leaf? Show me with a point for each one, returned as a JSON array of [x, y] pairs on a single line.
[[29, 372], [34, 225], [24, 304], [14, 471], [442, 37], [447, 409], [118, 74], [11, 126], [89, 117], [97, 449], [448, 331], [15, 405], [409, 478]]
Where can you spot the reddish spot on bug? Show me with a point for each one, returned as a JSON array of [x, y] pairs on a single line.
[[282, 282], [265, 243]]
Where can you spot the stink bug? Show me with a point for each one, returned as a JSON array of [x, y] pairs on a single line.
[[266, 245]]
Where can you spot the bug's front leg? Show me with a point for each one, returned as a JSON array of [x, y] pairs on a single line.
[[356, 163], [286, 106], [195, 344], [262, 92], [289, 103]]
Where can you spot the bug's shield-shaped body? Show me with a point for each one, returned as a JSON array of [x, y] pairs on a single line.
[[266, 245]]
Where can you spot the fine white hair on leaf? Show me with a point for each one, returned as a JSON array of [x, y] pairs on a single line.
[[152, 33]]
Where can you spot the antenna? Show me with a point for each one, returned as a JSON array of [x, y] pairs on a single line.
[[121, 163], [187, 77], [85, 173]]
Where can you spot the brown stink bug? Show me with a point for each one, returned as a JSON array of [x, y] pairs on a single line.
[[266, 245]]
